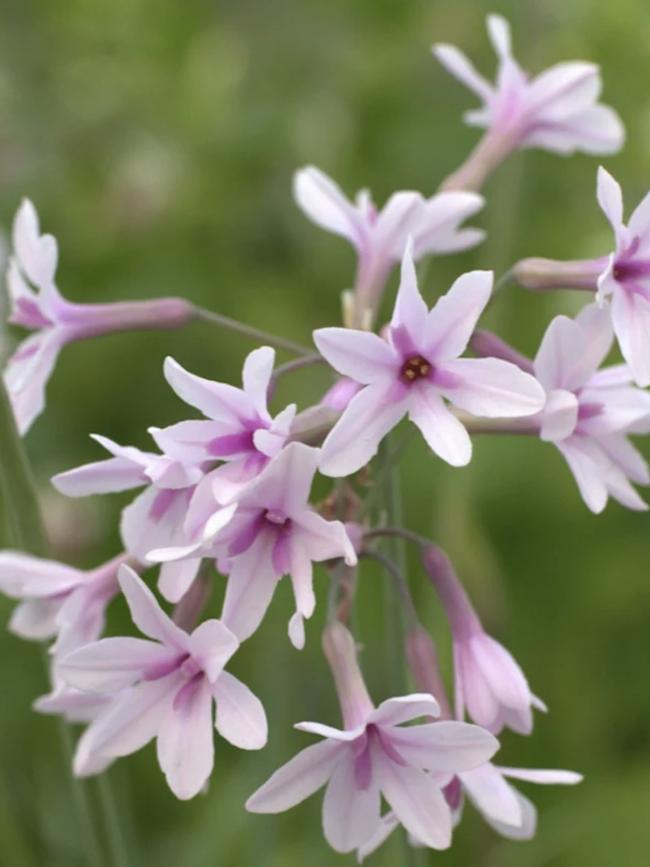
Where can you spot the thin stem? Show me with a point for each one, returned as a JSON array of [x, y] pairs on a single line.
[[116, 844], [249, 331], [400, 583], [398, 533]]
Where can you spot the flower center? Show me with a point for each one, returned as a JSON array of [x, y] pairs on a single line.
[[415, 367], [279, 519]]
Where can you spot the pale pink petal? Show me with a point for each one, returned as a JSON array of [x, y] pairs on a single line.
[[500, 37], [381, 833], [35, 619], [154, 520], [27, 373], [473, 690], [211, 645], [362, 356], [270, 440], [324, 203], [621, 410], [286, 481], [36, 253], [251, 584], [444, 747], [438, 231], [506, 679], [257, 372], [596, 130], [176, 578], [215, 400], [631, 318], [564, 89], [147, 615], [492, 795], [23, 575], [350, 814], [460, 67], [612, 376], [114, 663], [189, 441], [622, 453], [492, 388], [596, 323], [586, 464], [639, 222], [560, 416], [241, 719], [303, 775], [610, 199], [330, 732], [560, 359], [399, 218], [100, 477], [523, 830], [452, 320], [355, 438], [543, 777], [129, 722], [416, 800], [621, 490], [410, 312], [324, 540], [443, 432], [185, 744], [404, 708]]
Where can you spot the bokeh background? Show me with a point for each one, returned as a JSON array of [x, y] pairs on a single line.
[[158, 140]]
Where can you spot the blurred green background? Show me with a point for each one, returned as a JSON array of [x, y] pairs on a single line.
[[158, 140]]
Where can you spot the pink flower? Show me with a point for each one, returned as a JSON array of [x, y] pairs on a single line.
[[504, 808], [38, 305], [626, 279], [589, 413], [271, 531], [239, 430], [163, 688], [375, 756], [415, 370], [557, 110], [57, 601], [157, 517], [489, 683], [379, 236]]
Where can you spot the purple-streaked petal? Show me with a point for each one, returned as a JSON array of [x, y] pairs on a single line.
[[211, 645], [410, 312], [286, 481], [216, 400], [355, 438], [444, 747], [416, 800], [324, 203], [251, 584], [100, 477], [444, 433], [27, 373], [22, 575], [270, 440], [453, 318], [114, 663], [404, 708], [492, 388], [190, 441], [350, 814], [492, 795], [147, 615], [564, 89], [154, 520], [256, 375], [185, 745], [241, 719], [129, 722], [299, 778], [631, 319], [361, 355]]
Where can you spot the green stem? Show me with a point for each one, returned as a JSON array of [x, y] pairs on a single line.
[[249, 331]]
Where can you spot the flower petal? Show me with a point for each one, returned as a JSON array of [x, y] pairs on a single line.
[[216, 400], [452, 320], [241, 719], [258, 369], [185, 745], [492, 388], [27, 373], [443, 432], [212, 644], [492, 795], [114, 663], [299, 778], [251, 584], [631, 318], [147, 615], [610, 199], [445, 746], [560, 415], [410, 312], [324, 203], [461, 68], [543, 777], [360, 355], [22, 575], [586, 464], [350, 814], [404, 708]]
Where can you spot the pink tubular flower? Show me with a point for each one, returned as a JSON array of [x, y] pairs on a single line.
[[272, 531], [557, 110], [374, 756], [239, 430], [57, 600], [38, 305], [156, 518], [379, 236], [626, 279], [589, 413], [163, 688], [415, 370], [488, 681]]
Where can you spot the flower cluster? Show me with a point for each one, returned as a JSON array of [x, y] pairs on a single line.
[[227, 497]]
